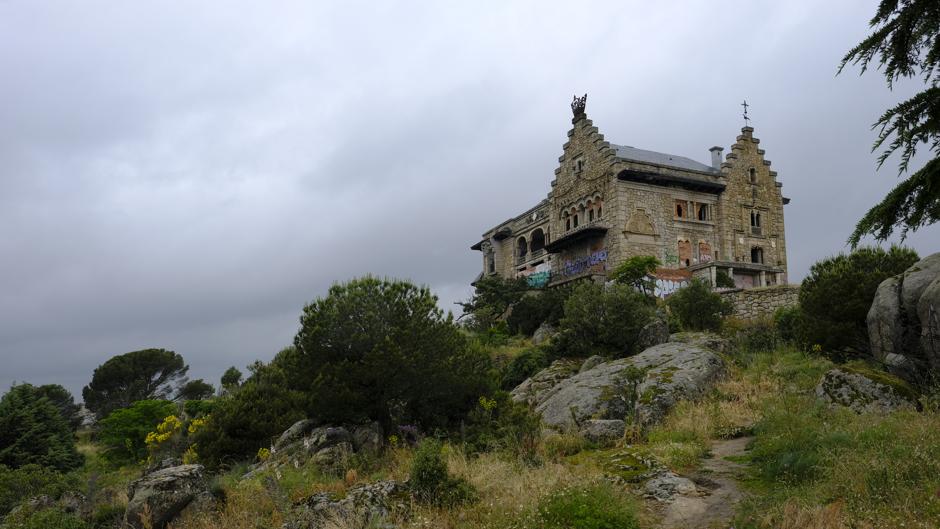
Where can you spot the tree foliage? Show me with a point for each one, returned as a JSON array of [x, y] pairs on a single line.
[[698, 308], [124, 430], [637, 272], [138, 375], [249, 419], [383, 350], [492, 297], [602, 320], [905, 43], [33, 431], [837, 293], [231, 379], [538, 307], [197, 389], [63, 400]]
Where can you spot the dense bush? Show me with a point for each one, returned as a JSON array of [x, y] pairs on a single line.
[[592, 507], [63, 400], [248, 419], [698, 308], [197, 389], [149, 374], [751, 336], [33, 431], [29, 481], [723, 280], [499, 424], [536, 308], [199, 408], [789, 324], [837, 293], [602, 320], [123, 433], [522, 367], [382, 350], [430, 481]]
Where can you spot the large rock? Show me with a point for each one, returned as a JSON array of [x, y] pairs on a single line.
[[603, 431], [875, 393], [705, 340], [642, 387], [362, 506], [544, 333], [903, 321], [532, 390], [164, 494], [653, 333]]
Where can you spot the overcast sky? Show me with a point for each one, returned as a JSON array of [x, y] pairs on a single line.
[[187, 175]]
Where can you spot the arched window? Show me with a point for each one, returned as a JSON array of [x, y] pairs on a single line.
[[537, 240], [685, 252], [590, 215], [522, 247], [679, 211], [600, 210], [752, 173], [567, 221], [575, 221]]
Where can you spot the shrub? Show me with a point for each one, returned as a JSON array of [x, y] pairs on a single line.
[[698, 308], [33, 431], [789, 323], [199, 408], [197, 389], [597, 506], [723, 280], [836, 295], [248, 419], [29, 481], [602, 320], [522, 367], [382, 350], [124, 432], [499, 424], [45, 519], [751, 336], [430, 481]]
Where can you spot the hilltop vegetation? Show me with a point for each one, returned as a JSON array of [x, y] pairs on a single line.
[[381, 353]]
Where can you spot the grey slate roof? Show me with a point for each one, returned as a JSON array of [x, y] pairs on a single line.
[[640, 155]]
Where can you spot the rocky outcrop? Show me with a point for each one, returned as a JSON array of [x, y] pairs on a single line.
[[603, 431], [363, 506], [327, 446], [532, 391], [641, 388], [653, 333], [667, 485], [874, 393], [705, 340], [158, 498], [904, 321]]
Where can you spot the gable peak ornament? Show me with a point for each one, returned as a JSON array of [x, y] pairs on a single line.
[[577, 107]]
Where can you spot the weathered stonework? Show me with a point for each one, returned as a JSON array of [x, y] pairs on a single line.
[[756, 303], [610, 202]]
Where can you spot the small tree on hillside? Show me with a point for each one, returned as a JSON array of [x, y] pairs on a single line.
[[33, 431], [138, 375], [491, 300], [698, 308], [124, 431], [637, 271], [383, 350], [837, 293], [231, 379], [63, 400]]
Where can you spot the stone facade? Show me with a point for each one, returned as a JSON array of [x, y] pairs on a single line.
[[754, 303], [610, 202]]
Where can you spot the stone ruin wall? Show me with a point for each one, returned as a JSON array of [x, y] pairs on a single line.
[[755, 303]]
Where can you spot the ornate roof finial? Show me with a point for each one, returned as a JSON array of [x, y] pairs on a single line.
[[747, 120], [577, 107]]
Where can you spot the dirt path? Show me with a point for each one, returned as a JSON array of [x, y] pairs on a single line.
[[717, 495]]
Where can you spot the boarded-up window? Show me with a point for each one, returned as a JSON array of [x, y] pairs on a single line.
[[685, 253], [704, 252]]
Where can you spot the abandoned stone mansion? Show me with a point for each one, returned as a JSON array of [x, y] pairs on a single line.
[[610, 202]]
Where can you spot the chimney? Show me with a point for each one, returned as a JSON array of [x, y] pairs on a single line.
[[716, 157]]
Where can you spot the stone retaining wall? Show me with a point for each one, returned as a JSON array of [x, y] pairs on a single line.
[[753, 303]]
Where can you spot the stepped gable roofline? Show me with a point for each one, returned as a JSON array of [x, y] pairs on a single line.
[[625, 152]]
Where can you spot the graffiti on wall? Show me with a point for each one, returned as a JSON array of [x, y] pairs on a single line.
[[540, 276], [583, 264]]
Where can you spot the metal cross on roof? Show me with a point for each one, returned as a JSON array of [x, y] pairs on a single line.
[[746, 119]]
